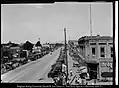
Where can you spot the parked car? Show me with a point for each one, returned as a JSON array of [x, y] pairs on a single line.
[[9, 65], [76, 65], [15, 65], [24, 60]]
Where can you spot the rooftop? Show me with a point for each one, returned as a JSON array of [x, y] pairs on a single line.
[[95, 37]]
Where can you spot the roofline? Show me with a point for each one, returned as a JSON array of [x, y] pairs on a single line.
[[95, 37]]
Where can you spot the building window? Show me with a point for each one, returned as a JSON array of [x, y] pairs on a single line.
[[102, 43], [93, 51], [111, 51], [102, 52], [92, 43], [110, 43]]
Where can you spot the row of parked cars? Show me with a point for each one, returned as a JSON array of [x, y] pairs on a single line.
[[10, 65], [16, 62]]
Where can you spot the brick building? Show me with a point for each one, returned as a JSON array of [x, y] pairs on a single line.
[[98, 54]]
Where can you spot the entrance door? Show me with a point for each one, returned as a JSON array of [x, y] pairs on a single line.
[[92, 68]]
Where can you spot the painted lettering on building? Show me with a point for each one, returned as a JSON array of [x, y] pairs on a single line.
[[107, 64]]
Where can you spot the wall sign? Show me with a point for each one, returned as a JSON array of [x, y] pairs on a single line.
[[106, 64]]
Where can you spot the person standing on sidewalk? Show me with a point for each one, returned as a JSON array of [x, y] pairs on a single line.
[[71, 73], [79, 80]]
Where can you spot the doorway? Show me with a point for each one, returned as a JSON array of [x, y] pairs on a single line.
[[93, 70]]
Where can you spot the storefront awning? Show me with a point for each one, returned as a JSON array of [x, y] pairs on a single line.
[[91, 61], [107, 74]]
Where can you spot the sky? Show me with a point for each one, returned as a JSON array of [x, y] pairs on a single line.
[[22, 22]]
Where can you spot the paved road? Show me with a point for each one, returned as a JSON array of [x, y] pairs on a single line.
[[33, 72]]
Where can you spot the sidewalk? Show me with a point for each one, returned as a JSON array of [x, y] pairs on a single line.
[[100, 83], [74, 69]]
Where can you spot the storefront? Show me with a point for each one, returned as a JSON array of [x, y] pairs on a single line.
[[106, 69], [98, 54], [93, 68]]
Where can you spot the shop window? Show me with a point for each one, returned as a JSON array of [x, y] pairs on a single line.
[[111, 51], [93, 51], [102, 52]]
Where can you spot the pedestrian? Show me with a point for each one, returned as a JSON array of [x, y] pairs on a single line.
[[94, 81], [64, 67], [79, 80], [68, 82], [83, 82], [87, 76], [71, 73]]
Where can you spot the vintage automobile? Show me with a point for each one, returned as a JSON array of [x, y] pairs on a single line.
[[8, 65], [76, 65], [15, 65]]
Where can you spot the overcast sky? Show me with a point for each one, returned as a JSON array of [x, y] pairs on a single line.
[[46, 21]]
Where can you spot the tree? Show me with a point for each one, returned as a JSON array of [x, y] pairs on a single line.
[[38, 44], [14, 45], [28, 46]]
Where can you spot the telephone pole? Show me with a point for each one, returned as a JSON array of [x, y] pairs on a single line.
[[90, 21], [66, 61]]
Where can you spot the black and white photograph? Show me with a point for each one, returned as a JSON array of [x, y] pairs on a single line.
[[62, 43]]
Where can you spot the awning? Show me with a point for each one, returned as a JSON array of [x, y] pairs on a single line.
[[91, 61], [107, 74]]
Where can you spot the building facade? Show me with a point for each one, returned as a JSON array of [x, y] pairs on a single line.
[[98, 53]]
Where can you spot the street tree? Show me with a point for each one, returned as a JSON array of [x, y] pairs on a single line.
[[28, 46], [38, 44]]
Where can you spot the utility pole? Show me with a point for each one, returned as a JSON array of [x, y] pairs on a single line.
[[66, 55], [90, 21]]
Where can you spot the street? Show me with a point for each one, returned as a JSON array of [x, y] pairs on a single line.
[[33, 72], [66, 43]]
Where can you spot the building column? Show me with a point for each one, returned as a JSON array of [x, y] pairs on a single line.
[[107, 50], [98, 72], [97, 50]]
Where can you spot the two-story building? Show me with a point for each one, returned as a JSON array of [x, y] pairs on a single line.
[[98, 54]]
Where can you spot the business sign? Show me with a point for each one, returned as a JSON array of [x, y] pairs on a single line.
[[106, 64]]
